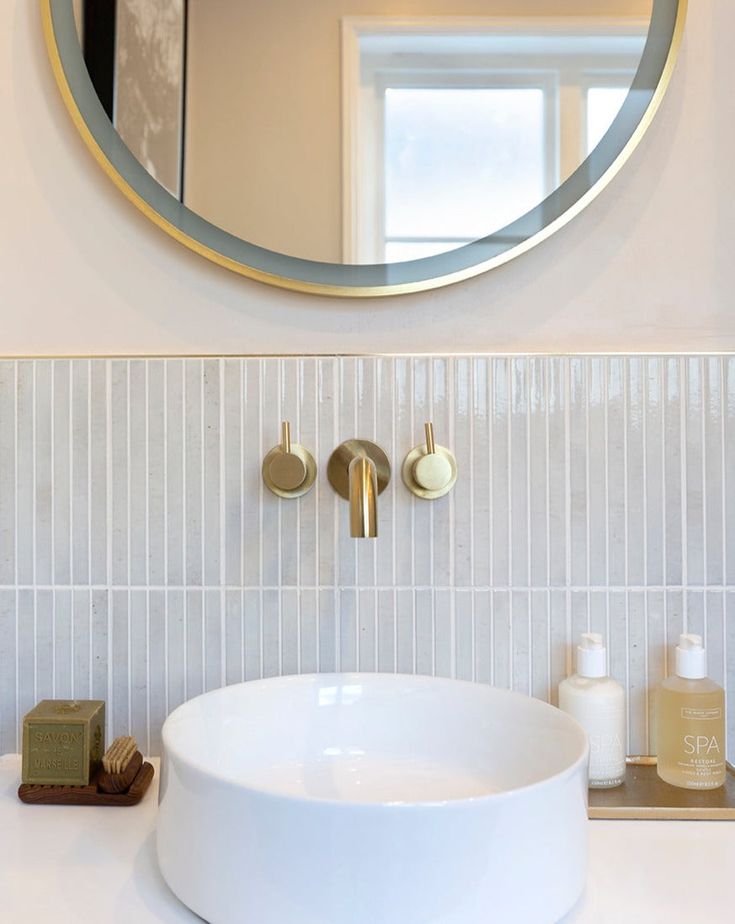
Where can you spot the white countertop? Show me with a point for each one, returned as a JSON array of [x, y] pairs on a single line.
[[78, 865]]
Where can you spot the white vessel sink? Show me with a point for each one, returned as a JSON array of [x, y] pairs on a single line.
[[373, 799]]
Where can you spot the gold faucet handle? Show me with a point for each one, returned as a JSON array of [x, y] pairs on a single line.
[[289, 470], [430, 471]]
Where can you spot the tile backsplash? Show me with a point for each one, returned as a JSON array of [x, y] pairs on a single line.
[[143, 561]]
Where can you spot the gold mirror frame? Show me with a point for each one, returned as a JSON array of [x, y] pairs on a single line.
[[567, 201]]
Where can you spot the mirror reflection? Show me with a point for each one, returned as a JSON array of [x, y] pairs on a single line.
[[362, 131]]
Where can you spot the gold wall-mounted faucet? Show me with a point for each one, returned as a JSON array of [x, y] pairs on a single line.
[[429, 470], [289, 470], [359, 471]]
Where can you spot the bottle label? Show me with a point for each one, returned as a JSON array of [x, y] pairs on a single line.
[[701, 715]]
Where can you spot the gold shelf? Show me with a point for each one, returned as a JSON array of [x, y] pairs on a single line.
[[645, 797]]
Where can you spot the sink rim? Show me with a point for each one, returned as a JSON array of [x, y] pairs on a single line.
[[184, 758]]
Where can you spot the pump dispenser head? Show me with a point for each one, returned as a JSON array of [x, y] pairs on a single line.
[[691, 658], [592, 656]]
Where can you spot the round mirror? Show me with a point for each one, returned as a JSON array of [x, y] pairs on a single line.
[[362, 147]]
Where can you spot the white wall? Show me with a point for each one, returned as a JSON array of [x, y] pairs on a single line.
[[649, 266]]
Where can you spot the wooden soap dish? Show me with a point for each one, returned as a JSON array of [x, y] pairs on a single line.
[[141, 776]]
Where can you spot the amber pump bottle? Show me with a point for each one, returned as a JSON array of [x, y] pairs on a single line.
[[690, 714]]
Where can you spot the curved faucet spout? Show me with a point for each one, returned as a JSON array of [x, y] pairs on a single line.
[[359, 471], [363, 480]]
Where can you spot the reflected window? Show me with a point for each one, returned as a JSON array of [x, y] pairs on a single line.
[[452, 133]]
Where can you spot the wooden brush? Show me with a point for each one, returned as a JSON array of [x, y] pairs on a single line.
[[120, 765]]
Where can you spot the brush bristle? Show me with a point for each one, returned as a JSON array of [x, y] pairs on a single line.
[[119, 754]]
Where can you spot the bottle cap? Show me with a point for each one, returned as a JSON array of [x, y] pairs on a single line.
[[592, 656], [691, 658]]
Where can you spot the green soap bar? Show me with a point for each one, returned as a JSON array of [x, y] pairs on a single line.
[[63, 741]]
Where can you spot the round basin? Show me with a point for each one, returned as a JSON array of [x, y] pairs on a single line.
[[373, 799]]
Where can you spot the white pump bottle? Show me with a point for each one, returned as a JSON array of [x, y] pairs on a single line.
[[597, 702]]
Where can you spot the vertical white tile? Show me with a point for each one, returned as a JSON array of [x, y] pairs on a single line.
[[100, 490], [596, 472], [481, 473], [156, 668], [138, 472], [26, 629], [120, 692], [139, 654], [63, 643], [405, 632], [193, 470], [271, 633], [119, 471], [387, 631], [430, 611], [540, 652], [155, 478], [211, 454], [194, 641], [100, 619], [308, 616], [176, 686], [367, 622], [538, 472], [214, 667], [578, 470], [328, 651], [618, 649], [464, 633], [9, 718], [253, 626], [636, 505], [616, 472], [654, 471], [557, 478], [715, 636], [501, 632], [7, 472], [44, 643], [25, 489], [694, 475], [483, 636], [656, 658], [43, 469], [175, 495], [673, 401], [347, 618], [520, 648], [81, 644], [252, 484], [444, 641], [637, 674], [233, 438], [500, 499], [80, 477], [461, 497], [713, 472], [271, 535], [234, 638], [290, 631]]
